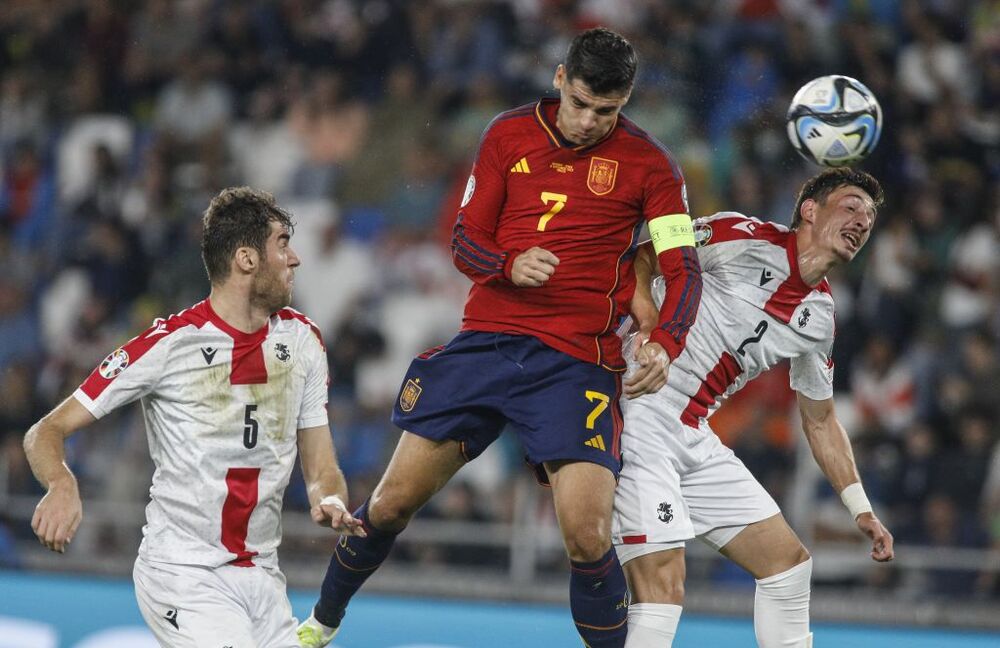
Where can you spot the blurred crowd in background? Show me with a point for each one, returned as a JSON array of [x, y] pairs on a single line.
[[119, 120]]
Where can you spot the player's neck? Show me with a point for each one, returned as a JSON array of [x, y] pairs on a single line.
[[237, 310], [814, 262]]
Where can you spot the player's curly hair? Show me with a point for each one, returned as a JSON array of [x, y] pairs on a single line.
[[602, 59], [821, 185], [237, 217]]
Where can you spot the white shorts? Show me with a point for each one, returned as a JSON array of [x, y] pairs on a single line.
[[679, 483], [190, 606]]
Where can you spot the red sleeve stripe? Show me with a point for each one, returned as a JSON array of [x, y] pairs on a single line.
[[291, 313], [95, 384]]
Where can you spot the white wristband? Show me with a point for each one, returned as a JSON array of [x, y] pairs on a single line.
[[333, 500], [855, 500]]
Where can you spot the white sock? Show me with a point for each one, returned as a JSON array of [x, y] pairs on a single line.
[[781, 609], [652, 625]]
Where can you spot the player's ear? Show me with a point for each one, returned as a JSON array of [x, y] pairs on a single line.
[[560, 77], [246, 259], [807, 211]]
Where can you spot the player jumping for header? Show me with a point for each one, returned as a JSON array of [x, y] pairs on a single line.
[[765, 300], [547, 230]]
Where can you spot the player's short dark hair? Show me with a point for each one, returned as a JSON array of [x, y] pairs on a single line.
[[602, 59], [821, 185], [237, 217]]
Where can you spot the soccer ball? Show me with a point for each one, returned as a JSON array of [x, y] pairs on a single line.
[[834, 121]]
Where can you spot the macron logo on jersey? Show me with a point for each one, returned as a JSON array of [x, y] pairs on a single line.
[[161, 329]]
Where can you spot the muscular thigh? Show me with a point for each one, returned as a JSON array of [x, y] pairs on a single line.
[[583, 493], [766, 548]]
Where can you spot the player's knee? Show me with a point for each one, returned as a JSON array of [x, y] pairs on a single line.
[[587, 542], [796, 558], [390, 512]]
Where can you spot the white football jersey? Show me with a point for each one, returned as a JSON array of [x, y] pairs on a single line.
[[222, 410], [755, 312]]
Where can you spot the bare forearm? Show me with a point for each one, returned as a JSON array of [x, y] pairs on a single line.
[[832, 450], [44, 446], [320, 469], [328, 481]]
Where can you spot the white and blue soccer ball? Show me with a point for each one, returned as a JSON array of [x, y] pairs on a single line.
[[834, 121]]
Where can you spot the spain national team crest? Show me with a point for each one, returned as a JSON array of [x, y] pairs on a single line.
[[114, 364], [601, 179], [410, 394]]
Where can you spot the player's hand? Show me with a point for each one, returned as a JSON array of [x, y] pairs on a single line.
[[651, 374], [533, 267], [58, 515], [881, 538], [336, 516]]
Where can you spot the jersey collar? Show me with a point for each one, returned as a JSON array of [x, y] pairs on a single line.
[[238, 336], [545, 115]]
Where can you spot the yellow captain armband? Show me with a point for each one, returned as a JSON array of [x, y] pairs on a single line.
[[671, 231]]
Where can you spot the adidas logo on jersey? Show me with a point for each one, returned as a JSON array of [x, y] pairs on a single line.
[[521, 166], [595, 442]]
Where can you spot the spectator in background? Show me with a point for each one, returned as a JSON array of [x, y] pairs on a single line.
[[23, 109], [404, 116], [27, 196], [19, 338], [882, 388], [193, 110], [331, 126]]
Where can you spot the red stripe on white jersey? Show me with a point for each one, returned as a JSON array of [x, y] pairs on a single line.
[[291, 313], [715, 384], [793, 290], [241, 500], [95, 384]]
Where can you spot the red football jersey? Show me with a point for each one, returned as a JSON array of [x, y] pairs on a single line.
[[530, 187]]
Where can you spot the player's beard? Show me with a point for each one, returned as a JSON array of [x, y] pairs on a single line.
[[270, 291]]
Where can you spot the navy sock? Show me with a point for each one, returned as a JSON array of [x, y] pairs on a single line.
[[597, 599], [354, 560]]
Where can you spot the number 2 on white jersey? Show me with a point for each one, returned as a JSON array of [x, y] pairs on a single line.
[[558, 202]]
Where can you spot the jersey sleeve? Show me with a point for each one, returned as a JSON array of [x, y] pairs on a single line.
[[666, 213], [127, 373], [811, 374], [312, 411], [473, 244]]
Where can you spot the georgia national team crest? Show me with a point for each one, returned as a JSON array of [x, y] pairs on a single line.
[[411, 392], [114, 364], [601, 178]]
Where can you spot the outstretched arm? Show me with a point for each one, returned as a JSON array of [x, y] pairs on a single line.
[[325, 483], [60, 511], [832, 450]]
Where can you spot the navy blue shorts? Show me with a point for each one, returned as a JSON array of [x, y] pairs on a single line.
[[559, 406]]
